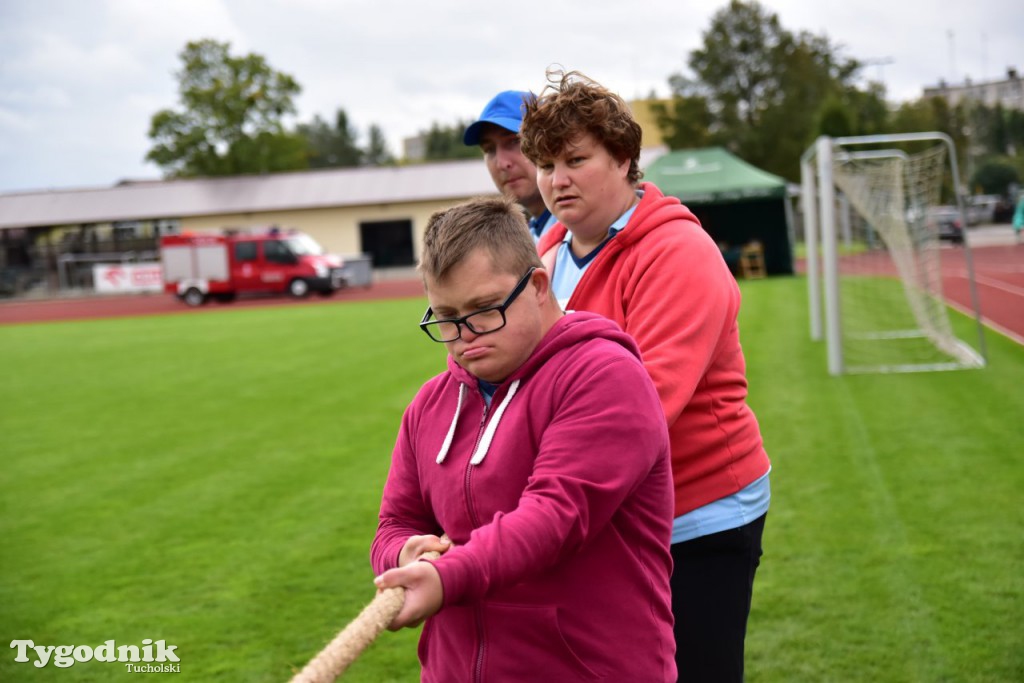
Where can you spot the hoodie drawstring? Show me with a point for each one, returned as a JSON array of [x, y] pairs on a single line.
[[492, 427], [451, 430], [485, 442]]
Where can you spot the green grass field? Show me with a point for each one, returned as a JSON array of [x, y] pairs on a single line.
[[212, 479]]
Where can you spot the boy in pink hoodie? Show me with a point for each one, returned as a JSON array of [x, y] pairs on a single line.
[[543, 455]]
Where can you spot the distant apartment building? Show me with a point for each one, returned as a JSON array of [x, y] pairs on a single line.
[[415, 148], [1007, 92]]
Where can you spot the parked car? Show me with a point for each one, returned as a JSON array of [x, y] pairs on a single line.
[[947, 223], [981, 208], [1003, 213]]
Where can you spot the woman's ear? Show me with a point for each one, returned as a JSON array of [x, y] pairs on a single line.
[[623, 168]]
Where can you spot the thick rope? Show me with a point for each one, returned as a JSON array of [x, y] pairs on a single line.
[[346, 647]]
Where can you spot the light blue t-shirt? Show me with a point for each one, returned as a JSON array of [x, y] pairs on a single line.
[[541, 224], [730, 512], [569, 269]]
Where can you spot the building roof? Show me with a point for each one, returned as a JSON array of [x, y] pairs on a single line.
[[158, 199], [296, 190]]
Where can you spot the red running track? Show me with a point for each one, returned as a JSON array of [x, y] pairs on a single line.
[[88, 307], [999, 276]]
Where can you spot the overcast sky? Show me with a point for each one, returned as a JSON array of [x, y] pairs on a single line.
[[81, 79]]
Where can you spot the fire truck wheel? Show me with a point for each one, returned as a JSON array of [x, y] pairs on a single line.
[[193, 297], [298, 288]]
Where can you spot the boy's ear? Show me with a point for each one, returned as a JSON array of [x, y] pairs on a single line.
[[542, 283]]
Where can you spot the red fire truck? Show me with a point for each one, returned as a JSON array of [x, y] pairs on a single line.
[[198, 267]]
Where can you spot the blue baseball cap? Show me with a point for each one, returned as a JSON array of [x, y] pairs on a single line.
[[505, 110]]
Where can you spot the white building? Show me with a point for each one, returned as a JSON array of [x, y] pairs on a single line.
[[1008, 92]]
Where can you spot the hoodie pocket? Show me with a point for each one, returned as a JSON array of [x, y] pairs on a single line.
[[527, 643]]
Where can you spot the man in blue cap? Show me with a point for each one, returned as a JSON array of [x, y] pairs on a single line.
[[497, 134]]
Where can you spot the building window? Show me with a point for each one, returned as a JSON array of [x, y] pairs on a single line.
[[388, 242]]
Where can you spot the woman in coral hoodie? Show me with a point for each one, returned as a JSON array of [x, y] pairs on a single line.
[[624, 250], [557, 502]]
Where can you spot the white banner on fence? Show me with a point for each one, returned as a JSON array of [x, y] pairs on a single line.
[[128, 277]]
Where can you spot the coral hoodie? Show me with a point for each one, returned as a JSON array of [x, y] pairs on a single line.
[[663, 280], [558, 500]]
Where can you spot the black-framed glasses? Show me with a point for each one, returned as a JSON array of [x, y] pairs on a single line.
[[484, 321]]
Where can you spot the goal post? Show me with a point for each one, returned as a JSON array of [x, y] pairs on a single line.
[[881, 288]]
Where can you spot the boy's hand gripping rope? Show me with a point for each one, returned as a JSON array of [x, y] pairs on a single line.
[[339, 654]]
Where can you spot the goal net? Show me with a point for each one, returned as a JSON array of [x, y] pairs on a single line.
[[888, 263]]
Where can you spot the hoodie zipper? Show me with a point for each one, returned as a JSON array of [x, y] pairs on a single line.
[[478, 668], [469, 469]]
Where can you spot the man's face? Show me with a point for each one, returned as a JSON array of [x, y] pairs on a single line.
[[474, 284], [513, 174]]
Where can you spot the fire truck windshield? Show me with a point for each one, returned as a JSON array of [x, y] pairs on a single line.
[[304, 245]]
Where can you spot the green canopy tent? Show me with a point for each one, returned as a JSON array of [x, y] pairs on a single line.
[[735, 202]]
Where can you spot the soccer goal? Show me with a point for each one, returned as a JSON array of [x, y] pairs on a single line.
[[882, 253]]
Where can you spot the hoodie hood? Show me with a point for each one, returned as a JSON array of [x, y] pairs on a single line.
[[571, 330], [653, 212]]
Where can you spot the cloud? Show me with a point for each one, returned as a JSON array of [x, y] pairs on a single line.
[[84, 78], [14, 123], [54, 60], [40, 96]]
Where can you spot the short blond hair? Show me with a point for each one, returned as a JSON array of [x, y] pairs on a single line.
[[496, 224]]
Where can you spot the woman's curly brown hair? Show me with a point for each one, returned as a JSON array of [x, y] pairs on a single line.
[[577, 105]]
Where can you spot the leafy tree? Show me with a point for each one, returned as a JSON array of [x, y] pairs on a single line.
[[992, 129], [917, 115], [997, 130], [868, 109], [854, 112], [933, 114], [735, 63], [230, 120], [445, 142], [766, 93], [835, 119], [995, 176], [1015, 132], [989, 140], [331, 147], [377, 153], [685, 120], [811, 74], [764, 87]]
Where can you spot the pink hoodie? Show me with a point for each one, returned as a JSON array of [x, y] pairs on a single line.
[[559, 502]]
